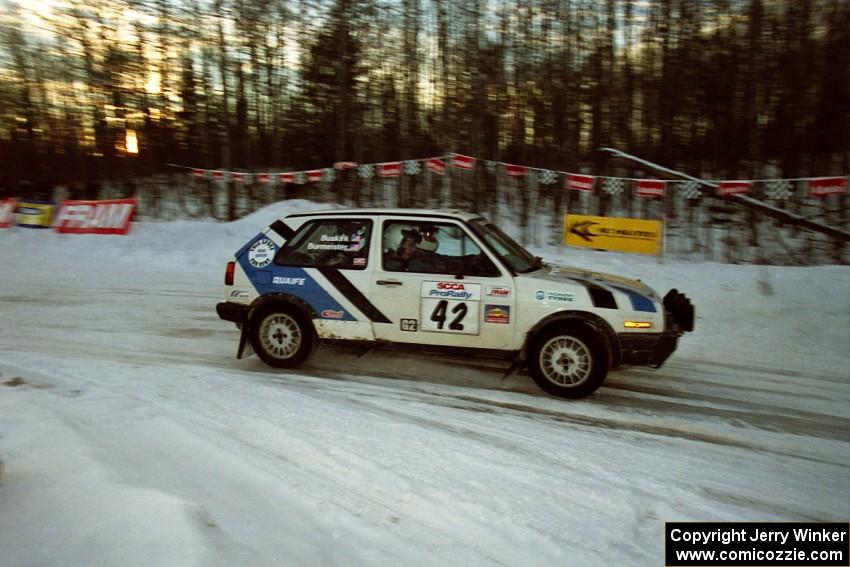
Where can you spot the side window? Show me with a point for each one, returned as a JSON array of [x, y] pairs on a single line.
[[432, 248], [339, 243]]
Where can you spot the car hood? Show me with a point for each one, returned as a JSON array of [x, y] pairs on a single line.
[[561, 274]]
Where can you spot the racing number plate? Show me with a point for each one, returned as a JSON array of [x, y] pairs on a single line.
[[450, 307]]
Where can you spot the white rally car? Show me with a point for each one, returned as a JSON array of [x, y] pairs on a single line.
[[446, 280]]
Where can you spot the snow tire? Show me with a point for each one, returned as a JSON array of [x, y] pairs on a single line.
[[569, 362], [282, 336]]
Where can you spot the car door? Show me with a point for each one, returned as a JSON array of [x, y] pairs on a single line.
[[438, 285]]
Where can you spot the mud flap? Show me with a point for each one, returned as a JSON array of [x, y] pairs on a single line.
[[245, 347], [517, 363]]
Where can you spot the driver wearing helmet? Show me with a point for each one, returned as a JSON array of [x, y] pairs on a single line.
[[414, 252]]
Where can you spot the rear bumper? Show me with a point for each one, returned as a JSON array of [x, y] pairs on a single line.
[[647, 349], [232, 311]]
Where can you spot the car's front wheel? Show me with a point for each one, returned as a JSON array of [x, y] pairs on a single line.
[[569, 362], [282, 338]]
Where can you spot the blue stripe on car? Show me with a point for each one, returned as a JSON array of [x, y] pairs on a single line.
[[639, 302], [294, 281]]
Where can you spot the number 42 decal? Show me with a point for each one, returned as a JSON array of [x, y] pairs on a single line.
[[439, 315]]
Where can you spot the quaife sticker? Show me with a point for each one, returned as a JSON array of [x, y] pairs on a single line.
[[261, 253], [283, 280]]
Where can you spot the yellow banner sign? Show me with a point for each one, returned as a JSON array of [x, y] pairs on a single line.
[[639, 236], [35, 214]]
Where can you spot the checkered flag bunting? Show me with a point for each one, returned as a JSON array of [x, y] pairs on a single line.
[[613, 186], [778, 189], [412, 168], [547, 176], [366, 171], [689, 190]]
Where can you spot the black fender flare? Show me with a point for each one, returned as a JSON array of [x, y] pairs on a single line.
[[596, 323], [264, 301]]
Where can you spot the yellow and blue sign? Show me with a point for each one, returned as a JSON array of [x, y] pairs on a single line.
[[638, 236], [35, 214]]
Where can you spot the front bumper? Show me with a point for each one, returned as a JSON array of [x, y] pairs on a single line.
[[647, 349], [232, 311], [652, 349]]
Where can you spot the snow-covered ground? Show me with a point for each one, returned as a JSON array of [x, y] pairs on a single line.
[[130, 434]]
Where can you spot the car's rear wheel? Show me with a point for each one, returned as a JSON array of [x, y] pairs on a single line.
[[569, 362], [282, 337]]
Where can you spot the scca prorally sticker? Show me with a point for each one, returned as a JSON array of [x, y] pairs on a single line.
[[261, 253]]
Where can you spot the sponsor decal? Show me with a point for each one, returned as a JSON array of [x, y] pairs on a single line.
[[332, 314], [239, 294], [409, 325], [7, 212], [452, 290], [341, 242], [826, 186], [650, 188], [496, 291], [283, 280], [95, 217], [497, 314], [580, 182], [607, 233], [727, 188], [261, 253], [436, 165], [392, 169], [463, 162], [359, 261], [35, 214], [554, 296]]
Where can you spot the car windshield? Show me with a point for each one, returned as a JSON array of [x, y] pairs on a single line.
[[515, 256]]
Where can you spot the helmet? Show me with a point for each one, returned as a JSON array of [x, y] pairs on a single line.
[[422, 236], [394, 236]]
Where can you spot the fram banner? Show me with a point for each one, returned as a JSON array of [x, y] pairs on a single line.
[[7, 212], [639, 236], [95, 217]]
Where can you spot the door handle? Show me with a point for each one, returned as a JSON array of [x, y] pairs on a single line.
[[388, 282]]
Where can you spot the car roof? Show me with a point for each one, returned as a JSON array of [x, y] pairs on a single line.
[[444, 213]]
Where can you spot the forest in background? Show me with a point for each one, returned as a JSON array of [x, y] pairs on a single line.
[[111, 90]]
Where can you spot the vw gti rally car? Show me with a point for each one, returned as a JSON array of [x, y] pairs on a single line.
[[441, 279]]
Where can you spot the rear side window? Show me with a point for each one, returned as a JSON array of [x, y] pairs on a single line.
[[338, 243]]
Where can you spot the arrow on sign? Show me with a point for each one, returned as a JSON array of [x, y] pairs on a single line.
[[582, 229]]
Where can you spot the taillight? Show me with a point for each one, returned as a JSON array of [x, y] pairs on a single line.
[[228, 273]]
